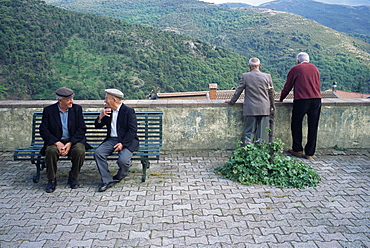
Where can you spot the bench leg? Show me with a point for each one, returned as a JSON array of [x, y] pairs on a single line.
[[36, 178], [146, 165], [40, 165]]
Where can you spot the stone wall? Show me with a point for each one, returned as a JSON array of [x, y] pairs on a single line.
[[206, 124]]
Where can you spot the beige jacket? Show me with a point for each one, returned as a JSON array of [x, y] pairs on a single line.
[[256, 87]]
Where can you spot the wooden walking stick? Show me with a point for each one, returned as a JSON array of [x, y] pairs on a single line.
[[272, 115], [272, 121]]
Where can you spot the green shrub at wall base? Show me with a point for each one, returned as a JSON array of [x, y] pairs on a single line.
[[261, 163]]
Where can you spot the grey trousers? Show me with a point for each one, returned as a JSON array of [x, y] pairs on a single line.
[[255, 127], [123, 162]]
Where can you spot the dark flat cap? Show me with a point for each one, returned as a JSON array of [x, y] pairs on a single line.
[[64, 92], [115, 92]]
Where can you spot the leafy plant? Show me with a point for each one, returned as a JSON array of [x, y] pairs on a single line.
[[250, 164]]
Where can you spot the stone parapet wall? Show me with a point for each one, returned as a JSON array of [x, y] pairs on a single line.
[[206, 124]]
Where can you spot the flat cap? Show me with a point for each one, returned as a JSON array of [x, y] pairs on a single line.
[[114, 92], [64, 92]]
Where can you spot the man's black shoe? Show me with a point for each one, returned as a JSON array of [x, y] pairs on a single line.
[[104, 186], [50, 187], [73, 183], [116, 179]]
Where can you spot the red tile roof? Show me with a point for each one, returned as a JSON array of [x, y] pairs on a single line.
[[348, 94], [227, 94]]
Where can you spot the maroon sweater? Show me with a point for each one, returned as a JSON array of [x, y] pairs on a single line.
[[305, 78]]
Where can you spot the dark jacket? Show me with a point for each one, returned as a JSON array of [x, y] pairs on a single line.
[[126, 127], [51, 126]]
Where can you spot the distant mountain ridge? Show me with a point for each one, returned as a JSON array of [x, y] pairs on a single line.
[[237, 5], [353, 20], [344, 18]]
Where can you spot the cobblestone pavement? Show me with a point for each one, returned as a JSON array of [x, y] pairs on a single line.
[[184, 203]]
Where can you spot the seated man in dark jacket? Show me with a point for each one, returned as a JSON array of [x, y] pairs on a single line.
[[63, 131], [121, 137]]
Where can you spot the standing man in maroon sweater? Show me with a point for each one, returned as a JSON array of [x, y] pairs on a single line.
[[305, 78]]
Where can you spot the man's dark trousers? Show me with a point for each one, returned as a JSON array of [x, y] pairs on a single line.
[[311, 107], [77, 154]]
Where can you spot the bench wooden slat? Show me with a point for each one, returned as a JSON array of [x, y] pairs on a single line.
[[149, 131]]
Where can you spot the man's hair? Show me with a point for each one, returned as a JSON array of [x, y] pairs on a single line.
[[115, 97], [254, 62], [62, 97], [303, 57]]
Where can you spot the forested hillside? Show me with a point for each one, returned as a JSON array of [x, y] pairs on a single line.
[[43, 47], [275, 37]]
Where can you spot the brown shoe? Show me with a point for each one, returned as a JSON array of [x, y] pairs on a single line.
[[297, 154], [308, 157]]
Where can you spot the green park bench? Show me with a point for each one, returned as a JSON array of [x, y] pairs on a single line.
[[149, 130]]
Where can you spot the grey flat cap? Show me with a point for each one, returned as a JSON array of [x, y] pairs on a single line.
[[114, 92], [64, 92]]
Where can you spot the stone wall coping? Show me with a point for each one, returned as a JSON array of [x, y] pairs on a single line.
[[191, 124], [168, 103]]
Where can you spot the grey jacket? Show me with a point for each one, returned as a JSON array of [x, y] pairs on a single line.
[[256, 87]]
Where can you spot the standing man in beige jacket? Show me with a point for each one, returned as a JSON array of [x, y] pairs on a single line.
[[256, 107]]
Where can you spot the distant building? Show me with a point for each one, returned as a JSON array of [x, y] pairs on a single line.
[[214, 94], [195, 95], [348, 94]]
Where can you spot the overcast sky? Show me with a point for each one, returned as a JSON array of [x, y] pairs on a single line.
[[258, 2]]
